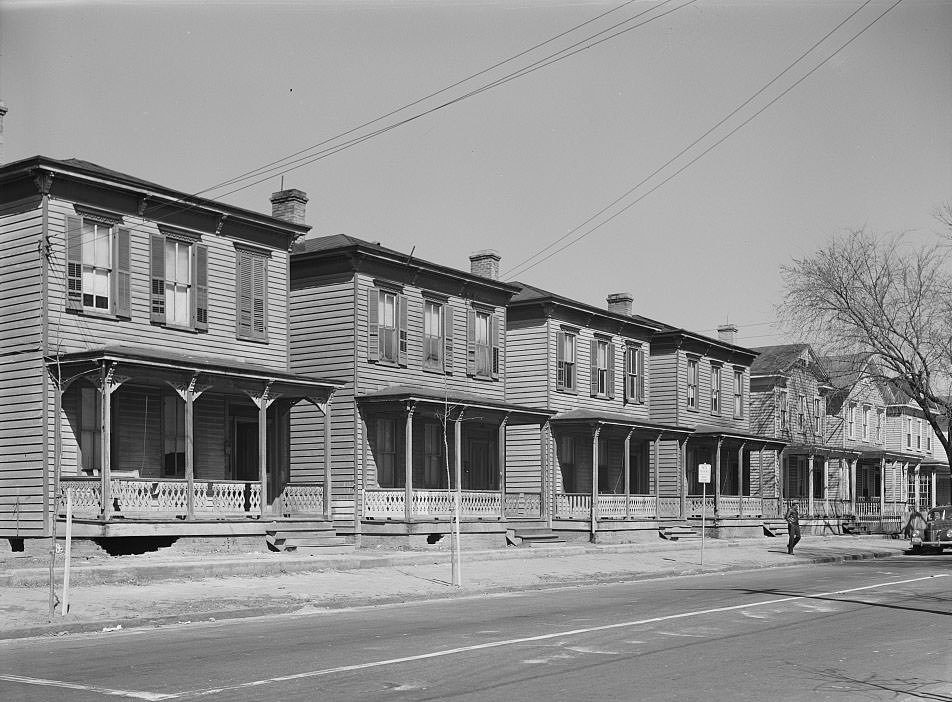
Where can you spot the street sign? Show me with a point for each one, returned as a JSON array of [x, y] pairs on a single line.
[[704, 472]]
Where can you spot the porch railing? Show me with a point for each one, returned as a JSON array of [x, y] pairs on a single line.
[[523, 504], [573, 506], [302, 498], [167, 498], [390, 503]]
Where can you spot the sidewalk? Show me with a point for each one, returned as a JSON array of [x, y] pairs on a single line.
[[150, 590]]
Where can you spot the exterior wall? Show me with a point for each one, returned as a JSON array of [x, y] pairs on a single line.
[[530, 376], [703, 416], [322, 344], [863, 394], [667, 394], [23, 459], [70, 332]]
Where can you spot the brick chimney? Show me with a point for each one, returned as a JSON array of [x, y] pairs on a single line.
[[620, 303], [289, 205], [727, 333], [485, 264]]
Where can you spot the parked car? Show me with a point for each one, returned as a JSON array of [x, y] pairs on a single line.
[[936, 533]]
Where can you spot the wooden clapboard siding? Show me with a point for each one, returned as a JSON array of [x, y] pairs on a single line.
[[322, 344], [703, 416], [763, 414], [531, 364], [863, 393], [666, 392], [77, 332], [523, 458], [23, 452]]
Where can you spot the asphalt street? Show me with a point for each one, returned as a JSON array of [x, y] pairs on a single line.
[[870, 630]]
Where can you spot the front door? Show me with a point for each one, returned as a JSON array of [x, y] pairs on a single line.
[[244, 456], [480, 467]]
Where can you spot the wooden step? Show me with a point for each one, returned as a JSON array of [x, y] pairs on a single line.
[[678, 532], [534, 536], [775, 527]]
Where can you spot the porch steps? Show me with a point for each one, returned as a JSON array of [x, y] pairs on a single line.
[[775, 527], [855, 528], [306, 537], [678, 532], [533, 537]]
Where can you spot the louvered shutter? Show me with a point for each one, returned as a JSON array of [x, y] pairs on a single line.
[[157, 273], [560, 360], [402, 330], [373, 324], [494, 321], [640, 394], [123, 289], [470, 341], [74, 263], [626, 391], [244, 294], [448, 339], [201, 287], [610, 375], [593, 365], [259, 321]]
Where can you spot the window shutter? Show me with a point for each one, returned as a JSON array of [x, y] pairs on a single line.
[[448, 339], [593, 379], [560, 360], [244, 293], [402, 330], [625, 390], [157, 271], [74, 263], [494, 342], [259, 299], [641, 374], [201, 287], [470, 341], [373, 324], [610, 380], [123, 292]]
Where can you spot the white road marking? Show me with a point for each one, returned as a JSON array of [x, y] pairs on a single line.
[[131, 694], [140, 695]]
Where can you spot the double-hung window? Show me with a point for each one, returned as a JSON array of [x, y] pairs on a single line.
[[918, 435], [98, 265], [866, 416], [909, 432], [565, 361], [738, 393], [801, 412], [482, 353], [851, 421], [252, 295], [818, 416], [602, 368], [692, 384], [179, 280], [432, 455], [880, 425], [715, 389], [90, 429], [387, 323], [634, 374], [783, 410], [432, 335], [385, 453]]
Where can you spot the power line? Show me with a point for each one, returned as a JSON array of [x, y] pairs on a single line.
[[521, 267]]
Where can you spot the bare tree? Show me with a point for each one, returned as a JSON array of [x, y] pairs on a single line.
[[884, 300]]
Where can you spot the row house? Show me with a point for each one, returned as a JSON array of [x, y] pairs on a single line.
[[704, 385], [145, 369], [790, 388], [610, 469], [422, 352]]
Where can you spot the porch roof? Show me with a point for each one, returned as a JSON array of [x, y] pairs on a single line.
[[707, 431], [819, 450], [587, 416], [897, 457], [163, 360], [413, 393]]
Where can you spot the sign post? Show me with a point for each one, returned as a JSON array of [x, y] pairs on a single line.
[[703, 477]]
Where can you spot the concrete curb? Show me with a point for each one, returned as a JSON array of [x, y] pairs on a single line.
[[106, 625]]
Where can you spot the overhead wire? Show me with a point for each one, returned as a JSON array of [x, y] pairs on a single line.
[[521, 267]]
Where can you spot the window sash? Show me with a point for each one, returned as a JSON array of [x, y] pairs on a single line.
[[716, 389], [433, 340], [738, 394], [482, 339], [692, 383]]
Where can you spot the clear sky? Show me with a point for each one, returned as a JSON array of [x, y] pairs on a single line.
[[192, 94]]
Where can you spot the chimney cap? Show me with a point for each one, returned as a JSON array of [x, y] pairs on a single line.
[[620, 297], [289, 194], [485, 253]]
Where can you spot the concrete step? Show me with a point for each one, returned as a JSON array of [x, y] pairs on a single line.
[[775, 527], [679, 533], [534, 536]]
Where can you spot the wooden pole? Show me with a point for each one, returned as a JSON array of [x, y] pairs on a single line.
[[458, 446], [328, 477], [64, 606]]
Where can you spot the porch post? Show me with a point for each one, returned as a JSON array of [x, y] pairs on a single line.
[[934, 479], [328, 478], [105, 437], [458, 462], [882, 487], [594, 510], [683, 476], [263, 450], [916, 485], [501, 448], [852, 468], [740, 479], [408, 463], [627, 450], [810, 485], [657, 475], [189, 450], [548, 476], [717, 477]]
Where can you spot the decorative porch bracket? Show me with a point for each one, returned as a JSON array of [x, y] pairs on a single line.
[[263, 400], [109, 381], [189, 391]]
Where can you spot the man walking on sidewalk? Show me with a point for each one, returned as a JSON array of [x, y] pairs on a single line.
[[793, 526]]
